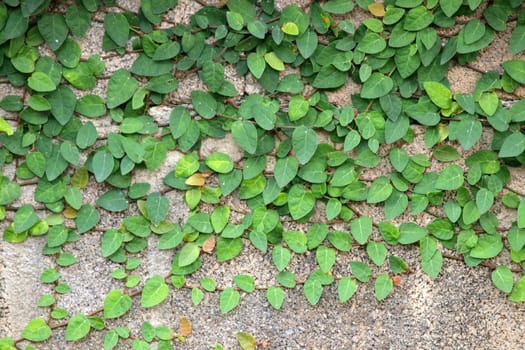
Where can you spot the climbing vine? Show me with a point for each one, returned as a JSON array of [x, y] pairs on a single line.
[[307, 175]]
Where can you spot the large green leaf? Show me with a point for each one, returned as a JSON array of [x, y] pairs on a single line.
[[78, 327], [376, 86], [121, 87], [53, 29], [116, 304], [304, 141], [37, 330], [300, 202], [155, 291], [117, 28]]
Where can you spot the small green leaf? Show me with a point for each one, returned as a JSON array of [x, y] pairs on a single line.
[[346, 288], [376, 86], [245, 134], [502, 278], [376, 252], [111, 242], [41, 82], [78, 327], [116, 304], [518, 291], [256, 64], [87, 218], [361, 229], [121, 87], [513, 146], [285, 170], [379, 191], [219, 162], [275, 296], [157, 207], [37, 330], [244, 282], [325, 257], [204, 104], [300, 202], [281, 257], [113, 200], [188, 254], [439, 94], [304, 141], [229, 299], [228, 249], [25, 218], [312, 290], [451, 178], [155, 291], [383, 286], [515, 69]]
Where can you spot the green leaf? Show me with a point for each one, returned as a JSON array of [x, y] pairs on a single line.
[[25, 218], [304, 141], [467, 131], [361, 229], [229, 299], [439, 94], [70, 152], [325, 258], [121, 87], [281, 257], [346, 288], [380, 190], [244, 282], [235, 20], [297, 107], [432, 266], [245, 134], [91, 106], [521, 214], [451, 178], [371, 43], [513, 146], [53, 29], [219, 162], [285, 170], [41, 82], [383, 286], [376, 252], [36, 330], [116, 304], [117, 28], [300, 202], [87, 218], [517, 39], [450, 7], [274, 61], [256, 64], [204, 104], [78, 327], [157, 207], [329, 77], [102, 164], [313, 290], [113, 200], [111, 242], [228, 249], [246, 341], [515, 69], [307, 43], [155, 291], [275, 296], [338, 6], [518, 291], [376, 86], [502, 278], [410, 232], [489, 246], [257, 28], [188, 254]]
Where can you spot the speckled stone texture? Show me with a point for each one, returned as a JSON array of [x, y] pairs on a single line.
[[459, 310]]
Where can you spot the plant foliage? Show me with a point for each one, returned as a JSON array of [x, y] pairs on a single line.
[[303, 156]]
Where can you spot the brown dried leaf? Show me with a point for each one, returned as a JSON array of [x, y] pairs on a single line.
[[209, 245], [185, 327]]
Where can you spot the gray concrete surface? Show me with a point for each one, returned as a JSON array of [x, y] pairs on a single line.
[[459, 310]]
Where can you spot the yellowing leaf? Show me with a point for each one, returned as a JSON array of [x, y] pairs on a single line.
[[290, 28], [274, 61], [246, 341], [70, 213], [377, 9], [185, 327], [196, 179], [5, 127]]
